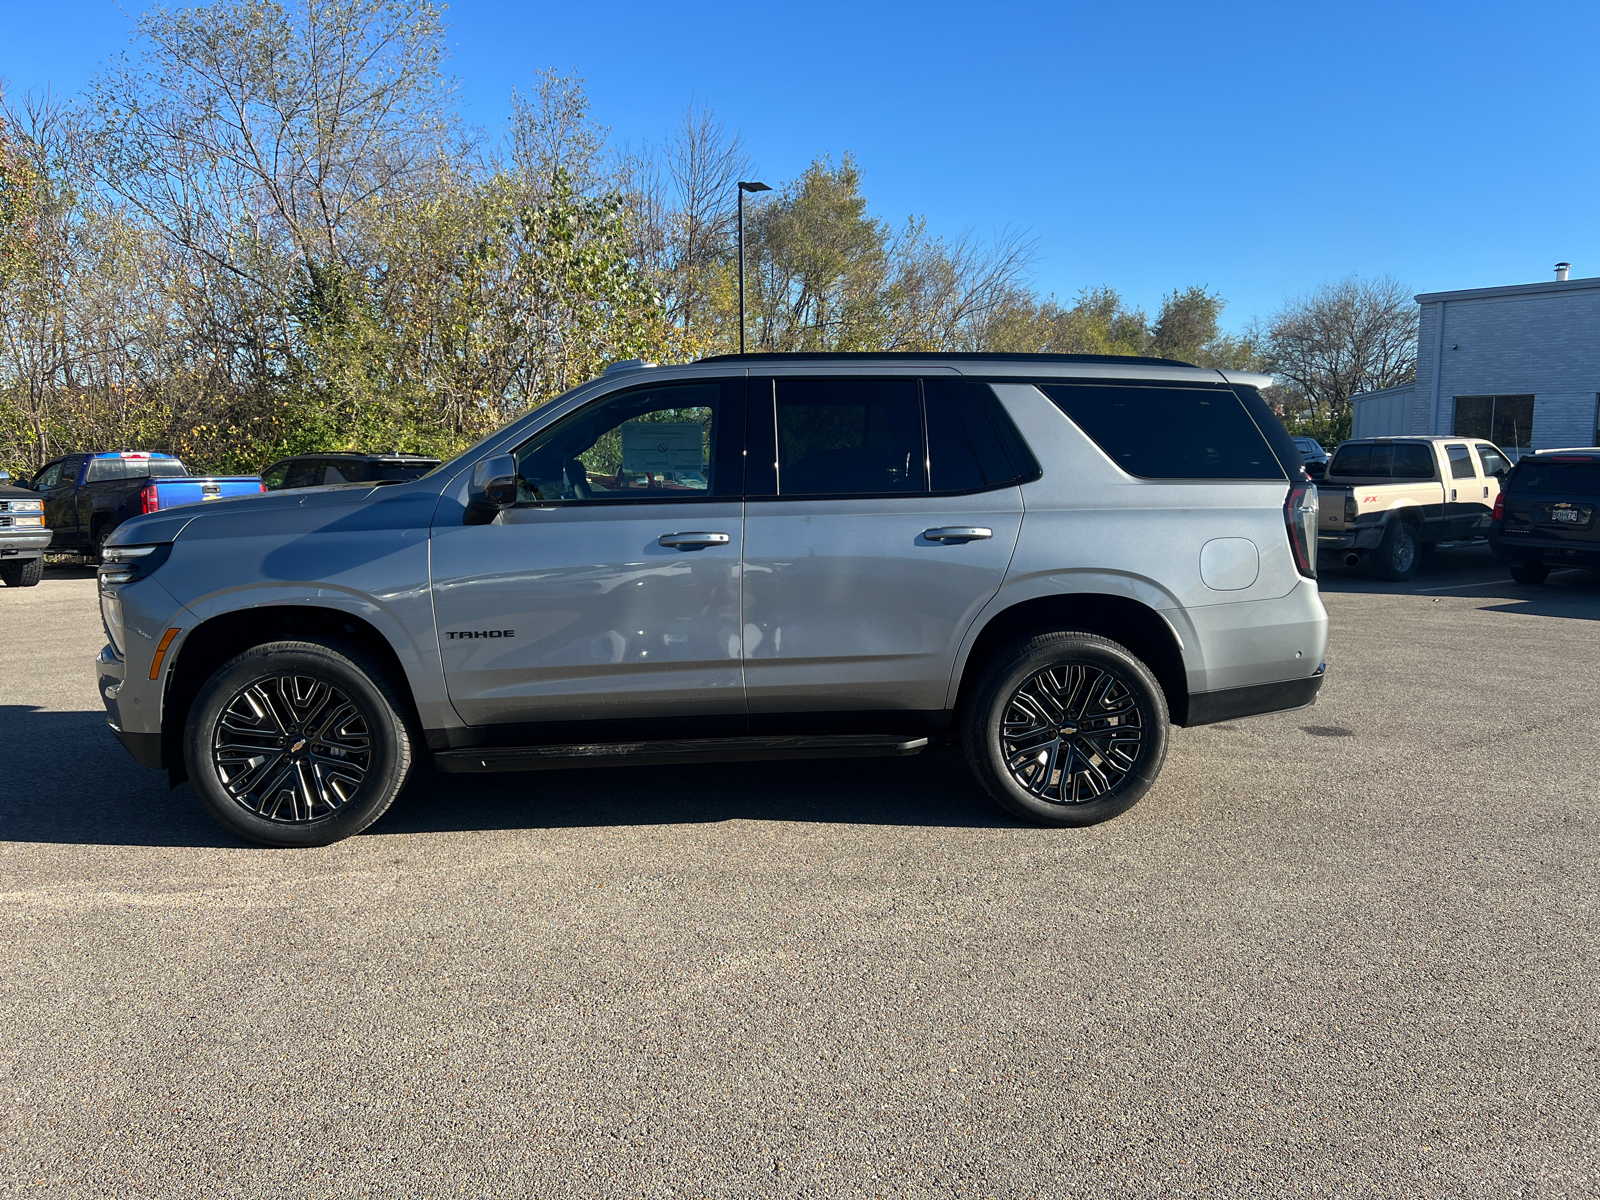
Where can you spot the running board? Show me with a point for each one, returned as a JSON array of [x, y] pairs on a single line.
[[667, 753]]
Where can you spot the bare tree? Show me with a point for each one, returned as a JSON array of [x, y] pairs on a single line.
[[253, 133], [1353, 336]]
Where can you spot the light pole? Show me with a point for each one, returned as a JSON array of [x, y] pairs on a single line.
[[743, 188]]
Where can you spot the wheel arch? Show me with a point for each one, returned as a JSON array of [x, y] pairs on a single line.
[[214, 641], [1130, 623]]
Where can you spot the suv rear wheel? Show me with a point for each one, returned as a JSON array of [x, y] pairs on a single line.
[[1066, 728], [297, 743]]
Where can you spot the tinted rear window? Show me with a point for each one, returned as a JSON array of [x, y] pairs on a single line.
[[101, 469], [1170, 432], [1555, 479], [1384, 460]]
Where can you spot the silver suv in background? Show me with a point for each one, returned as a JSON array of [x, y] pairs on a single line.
[[1048, 558]]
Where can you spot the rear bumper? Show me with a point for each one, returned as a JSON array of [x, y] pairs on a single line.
[[1366, 537], [1553, 551], [1207, 708]]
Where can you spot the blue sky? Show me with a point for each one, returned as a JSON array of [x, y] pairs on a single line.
[[1259, 149]]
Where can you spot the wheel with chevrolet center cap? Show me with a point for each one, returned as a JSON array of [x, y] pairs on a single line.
[[297, 743], [1066, 728]]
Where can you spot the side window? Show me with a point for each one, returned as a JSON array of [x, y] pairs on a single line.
[[1461, 463], [274, 476], [1169, 432], [47, 478], [651, 444], [1492, 460], [303, 473], [848, 437], [964, 453], [1413, 460], [332, 474]]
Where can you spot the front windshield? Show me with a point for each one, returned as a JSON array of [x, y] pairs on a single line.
[[472, 452]]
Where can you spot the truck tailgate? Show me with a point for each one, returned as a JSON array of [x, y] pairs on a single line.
[[193, 489]]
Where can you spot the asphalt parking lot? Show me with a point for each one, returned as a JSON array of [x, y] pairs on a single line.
[[1350, 950]]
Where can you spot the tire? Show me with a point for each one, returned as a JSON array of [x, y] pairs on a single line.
[[1397, 557], [1526, 571], [97, 549], [24, 573], [275, 696], [1048, 675]]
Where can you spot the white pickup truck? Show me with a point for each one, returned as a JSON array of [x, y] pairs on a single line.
[[1386, 500]]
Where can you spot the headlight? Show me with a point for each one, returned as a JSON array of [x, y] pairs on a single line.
[[122, 565], [23, 506]]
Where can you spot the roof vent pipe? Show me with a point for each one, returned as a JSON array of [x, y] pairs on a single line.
[[1561, 271]]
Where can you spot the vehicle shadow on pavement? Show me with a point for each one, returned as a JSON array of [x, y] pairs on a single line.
[[933, 788], [68, 780]]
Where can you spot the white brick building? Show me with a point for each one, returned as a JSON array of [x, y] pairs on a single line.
[[1519, 365]]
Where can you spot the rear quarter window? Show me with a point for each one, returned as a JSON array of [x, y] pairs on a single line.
[[1170, 432]]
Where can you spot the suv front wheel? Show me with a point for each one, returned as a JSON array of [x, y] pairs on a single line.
[[1066, 728], [297, 743]]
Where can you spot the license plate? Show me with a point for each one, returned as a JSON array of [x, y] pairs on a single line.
[[1569, 516]]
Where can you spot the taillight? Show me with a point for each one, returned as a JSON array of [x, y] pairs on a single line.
[[1499, 513], [1300, 515], [149, 500], [1351, 510], [263, 485]]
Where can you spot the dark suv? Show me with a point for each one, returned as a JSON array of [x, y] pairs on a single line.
[[314, 470], [1545, 514]]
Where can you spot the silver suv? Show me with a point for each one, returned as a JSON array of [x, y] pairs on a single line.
[[1049, 558]]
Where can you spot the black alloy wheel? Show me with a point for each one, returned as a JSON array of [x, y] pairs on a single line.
[[1072, 733], [298, 743], [1066, 728], [292, 748]]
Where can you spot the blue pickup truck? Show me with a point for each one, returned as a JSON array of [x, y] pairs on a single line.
[[86, 496]]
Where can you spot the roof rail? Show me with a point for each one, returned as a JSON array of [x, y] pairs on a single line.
[[952, 355]]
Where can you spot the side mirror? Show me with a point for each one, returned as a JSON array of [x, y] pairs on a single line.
[[5, 476], [494, 487]]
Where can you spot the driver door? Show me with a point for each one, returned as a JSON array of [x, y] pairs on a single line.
[[610, 590]]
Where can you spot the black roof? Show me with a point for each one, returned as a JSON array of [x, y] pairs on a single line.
[[953, 356]]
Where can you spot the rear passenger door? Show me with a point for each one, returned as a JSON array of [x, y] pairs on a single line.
[[1463, 503], [880, 517]]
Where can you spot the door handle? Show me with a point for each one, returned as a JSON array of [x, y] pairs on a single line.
[[957, 534], [1485, 493], [692, 541], [1452, 493]]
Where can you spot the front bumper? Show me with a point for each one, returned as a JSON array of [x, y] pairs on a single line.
[[14, 543], [110, 675]]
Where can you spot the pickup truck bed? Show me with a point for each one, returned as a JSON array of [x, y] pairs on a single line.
[[88, 495]]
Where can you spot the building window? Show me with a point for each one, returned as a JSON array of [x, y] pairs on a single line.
[[1507, 421]]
